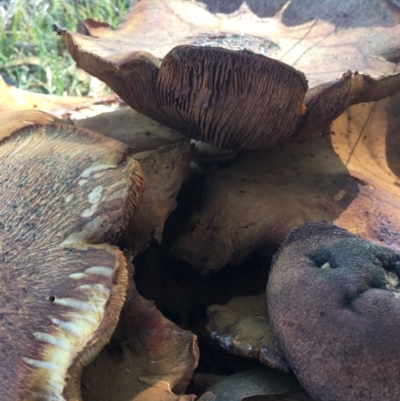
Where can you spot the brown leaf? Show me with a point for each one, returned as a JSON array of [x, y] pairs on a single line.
[[261, 381], [252, 204], [231, 94], [242, 328], [149, 358], [15, 99]]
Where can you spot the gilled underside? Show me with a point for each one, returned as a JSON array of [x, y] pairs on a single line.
[[64, 193]]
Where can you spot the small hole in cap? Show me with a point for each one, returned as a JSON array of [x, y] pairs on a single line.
[[51, 298]]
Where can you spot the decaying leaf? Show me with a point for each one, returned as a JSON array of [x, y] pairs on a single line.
[[252, 204], [65, 107], [334, 306], [64, 192], [242, 328], [261, 381], [216, 76], [149, 358]]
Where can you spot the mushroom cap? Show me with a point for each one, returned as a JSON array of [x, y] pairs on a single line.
[[242, 328], [260, 382], [252, 204], [148, 358], [229, 79], [334, 305], [64, 192]]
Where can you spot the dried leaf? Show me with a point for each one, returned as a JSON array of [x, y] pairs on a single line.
[[254, 382], [242, 328], [229, 95], [65, 107], [245, 207], [149, 358]]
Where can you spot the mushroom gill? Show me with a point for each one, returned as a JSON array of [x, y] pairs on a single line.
[[239, 81], [64, 193]]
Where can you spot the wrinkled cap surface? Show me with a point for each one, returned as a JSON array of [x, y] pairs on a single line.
[[233, 75], [63, 193], [334, 305]]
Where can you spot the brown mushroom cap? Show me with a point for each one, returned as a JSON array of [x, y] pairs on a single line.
[[64, 191], [334, 305], [206, 80], [242, 328], [148, 358], [343, 176]]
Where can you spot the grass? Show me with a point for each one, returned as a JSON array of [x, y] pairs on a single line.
[[32, 57]]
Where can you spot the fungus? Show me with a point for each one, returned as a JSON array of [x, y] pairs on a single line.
[[135, 130], [242, 328], [165, 169], [262, 382], [148, 358], [164, 156], [229, 79], [64, 192], [340, 176], [334, 305]]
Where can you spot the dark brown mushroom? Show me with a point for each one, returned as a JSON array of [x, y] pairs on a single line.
[[64, 192], [210, 77], [334, 306], [341, 176]]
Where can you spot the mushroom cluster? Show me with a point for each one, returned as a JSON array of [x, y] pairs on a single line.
[[251, 186]]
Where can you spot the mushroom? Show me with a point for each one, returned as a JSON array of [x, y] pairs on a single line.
[[165, 169], [261, 382], [164, 156], [64, 193], [242, 328], [229, 79], [334, 304], [135, 130], [288, 186], [148, 358], [252, 204], [13, 120]]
